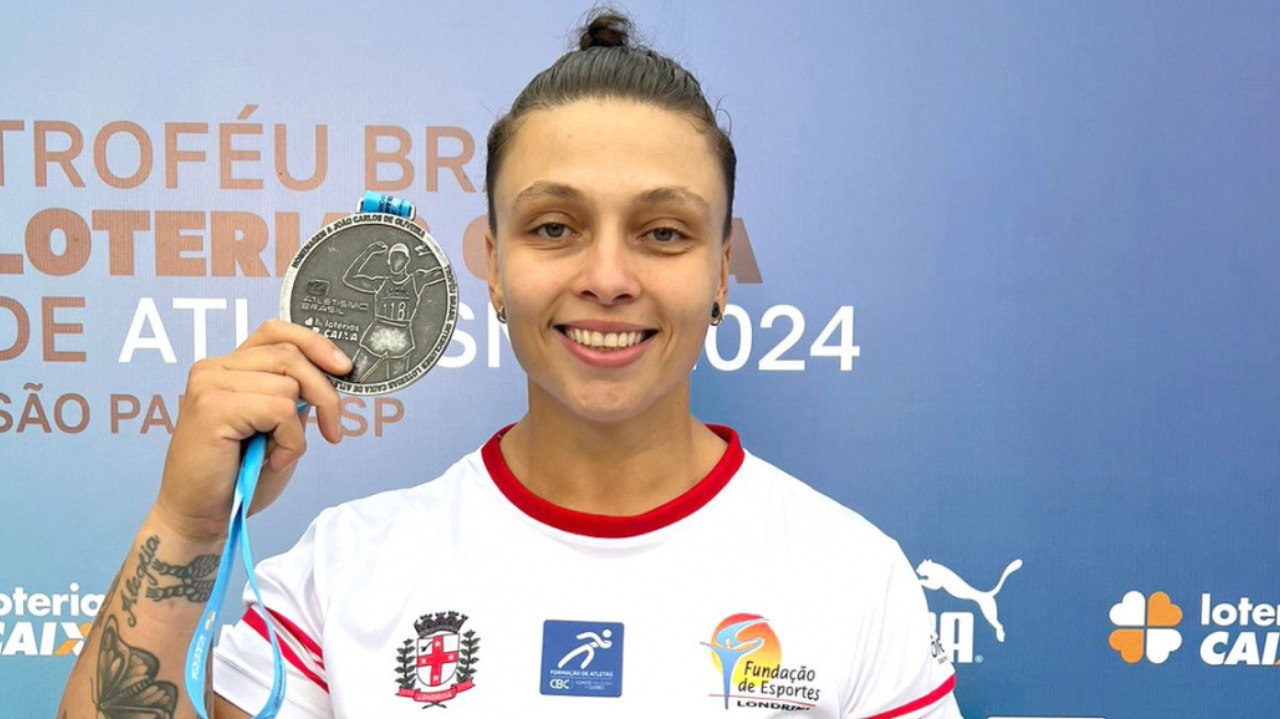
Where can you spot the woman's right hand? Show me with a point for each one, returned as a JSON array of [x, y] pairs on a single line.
[[228, 399]]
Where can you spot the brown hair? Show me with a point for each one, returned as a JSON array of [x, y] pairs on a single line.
[[609, 64]]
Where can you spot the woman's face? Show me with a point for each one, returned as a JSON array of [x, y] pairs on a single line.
[[609, 254]]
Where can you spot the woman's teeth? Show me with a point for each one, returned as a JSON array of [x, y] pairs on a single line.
[[603, 340]]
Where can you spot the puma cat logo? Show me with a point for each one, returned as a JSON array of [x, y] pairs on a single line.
[[936, 576]]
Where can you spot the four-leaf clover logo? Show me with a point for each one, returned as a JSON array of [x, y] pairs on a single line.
[[1145, 626]]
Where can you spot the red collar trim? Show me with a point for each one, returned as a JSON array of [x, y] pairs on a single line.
[[607, 526]]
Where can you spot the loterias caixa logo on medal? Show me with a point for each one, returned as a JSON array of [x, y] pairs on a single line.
[[440, 662]]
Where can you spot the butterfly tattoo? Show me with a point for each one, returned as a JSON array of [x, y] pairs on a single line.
[[127, 687]]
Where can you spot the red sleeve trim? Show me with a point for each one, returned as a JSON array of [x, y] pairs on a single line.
[[606, 526], [303, 638], [255, 620], [937, 694]]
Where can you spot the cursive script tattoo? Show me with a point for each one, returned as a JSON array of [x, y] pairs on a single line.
[[141, 573], [163, 580]]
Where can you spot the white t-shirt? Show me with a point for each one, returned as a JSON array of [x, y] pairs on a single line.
[[750, 593]]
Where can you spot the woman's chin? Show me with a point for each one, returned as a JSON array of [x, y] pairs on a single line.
[[605, 410], [605, 402]]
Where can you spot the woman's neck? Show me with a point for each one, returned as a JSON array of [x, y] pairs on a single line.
[[617, 468]]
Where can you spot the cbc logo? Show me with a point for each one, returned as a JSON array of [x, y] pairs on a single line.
[[559, 684]]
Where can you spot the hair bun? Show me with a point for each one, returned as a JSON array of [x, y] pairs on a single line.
[[606, 29]]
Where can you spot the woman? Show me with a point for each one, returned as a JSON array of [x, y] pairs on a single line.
[[607, 555]]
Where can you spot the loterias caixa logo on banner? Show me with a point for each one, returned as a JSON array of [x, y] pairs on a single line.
[[36, 624], [439, 663], [1236, 633], [955, 629]]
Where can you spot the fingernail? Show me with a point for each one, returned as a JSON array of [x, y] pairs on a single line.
[[341, 358]]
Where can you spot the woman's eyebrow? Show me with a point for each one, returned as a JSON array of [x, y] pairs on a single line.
[[541, 189], [677, 195], [656, 196]]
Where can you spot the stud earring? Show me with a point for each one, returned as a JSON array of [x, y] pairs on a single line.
[[716, 316], [502, 314]]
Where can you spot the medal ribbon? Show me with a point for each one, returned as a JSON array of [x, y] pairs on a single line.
[[252, 457], [237, 529]]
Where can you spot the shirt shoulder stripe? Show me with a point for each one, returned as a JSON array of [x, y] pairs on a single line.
[[303, 638], [931, 698], [255, 620]]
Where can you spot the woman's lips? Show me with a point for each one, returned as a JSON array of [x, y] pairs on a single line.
[[599, 345]]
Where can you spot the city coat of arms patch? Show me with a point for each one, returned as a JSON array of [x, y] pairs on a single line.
[[439, 663]]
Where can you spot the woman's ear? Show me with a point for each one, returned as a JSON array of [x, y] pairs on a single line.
[[722, 292], [495, 282]]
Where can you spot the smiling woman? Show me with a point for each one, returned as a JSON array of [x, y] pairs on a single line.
[[609, 226], [608, 522]]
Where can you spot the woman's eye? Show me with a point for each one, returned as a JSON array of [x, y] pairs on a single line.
[[664, 234], [553, 230]]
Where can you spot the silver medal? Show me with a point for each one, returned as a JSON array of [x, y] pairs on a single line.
[[380, 288]]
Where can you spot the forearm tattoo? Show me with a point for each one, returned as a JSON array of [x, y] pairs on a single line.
[[192, 581], [126, 685], [195, 579], [129, 597]]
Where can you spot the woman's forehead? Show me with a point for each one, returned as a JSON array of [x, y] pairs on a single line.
[[592, 147]]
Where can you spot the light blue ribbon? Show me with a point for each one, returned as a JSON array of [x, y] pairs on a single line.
[[237, 530]]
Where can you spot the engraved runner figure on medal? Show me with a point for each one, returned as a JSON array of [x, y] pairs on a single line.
[[381, 288]]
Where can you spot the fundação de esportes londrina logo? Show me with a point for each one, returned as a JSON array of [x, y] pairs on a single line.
[[1243, 633], [748, 658]]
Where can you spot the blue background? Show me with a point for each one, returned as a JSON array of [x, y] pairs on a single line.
[[1058, 222]]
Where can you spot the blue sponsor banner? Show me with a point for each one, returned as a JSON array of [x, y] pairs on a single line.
[[1006, 281]]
